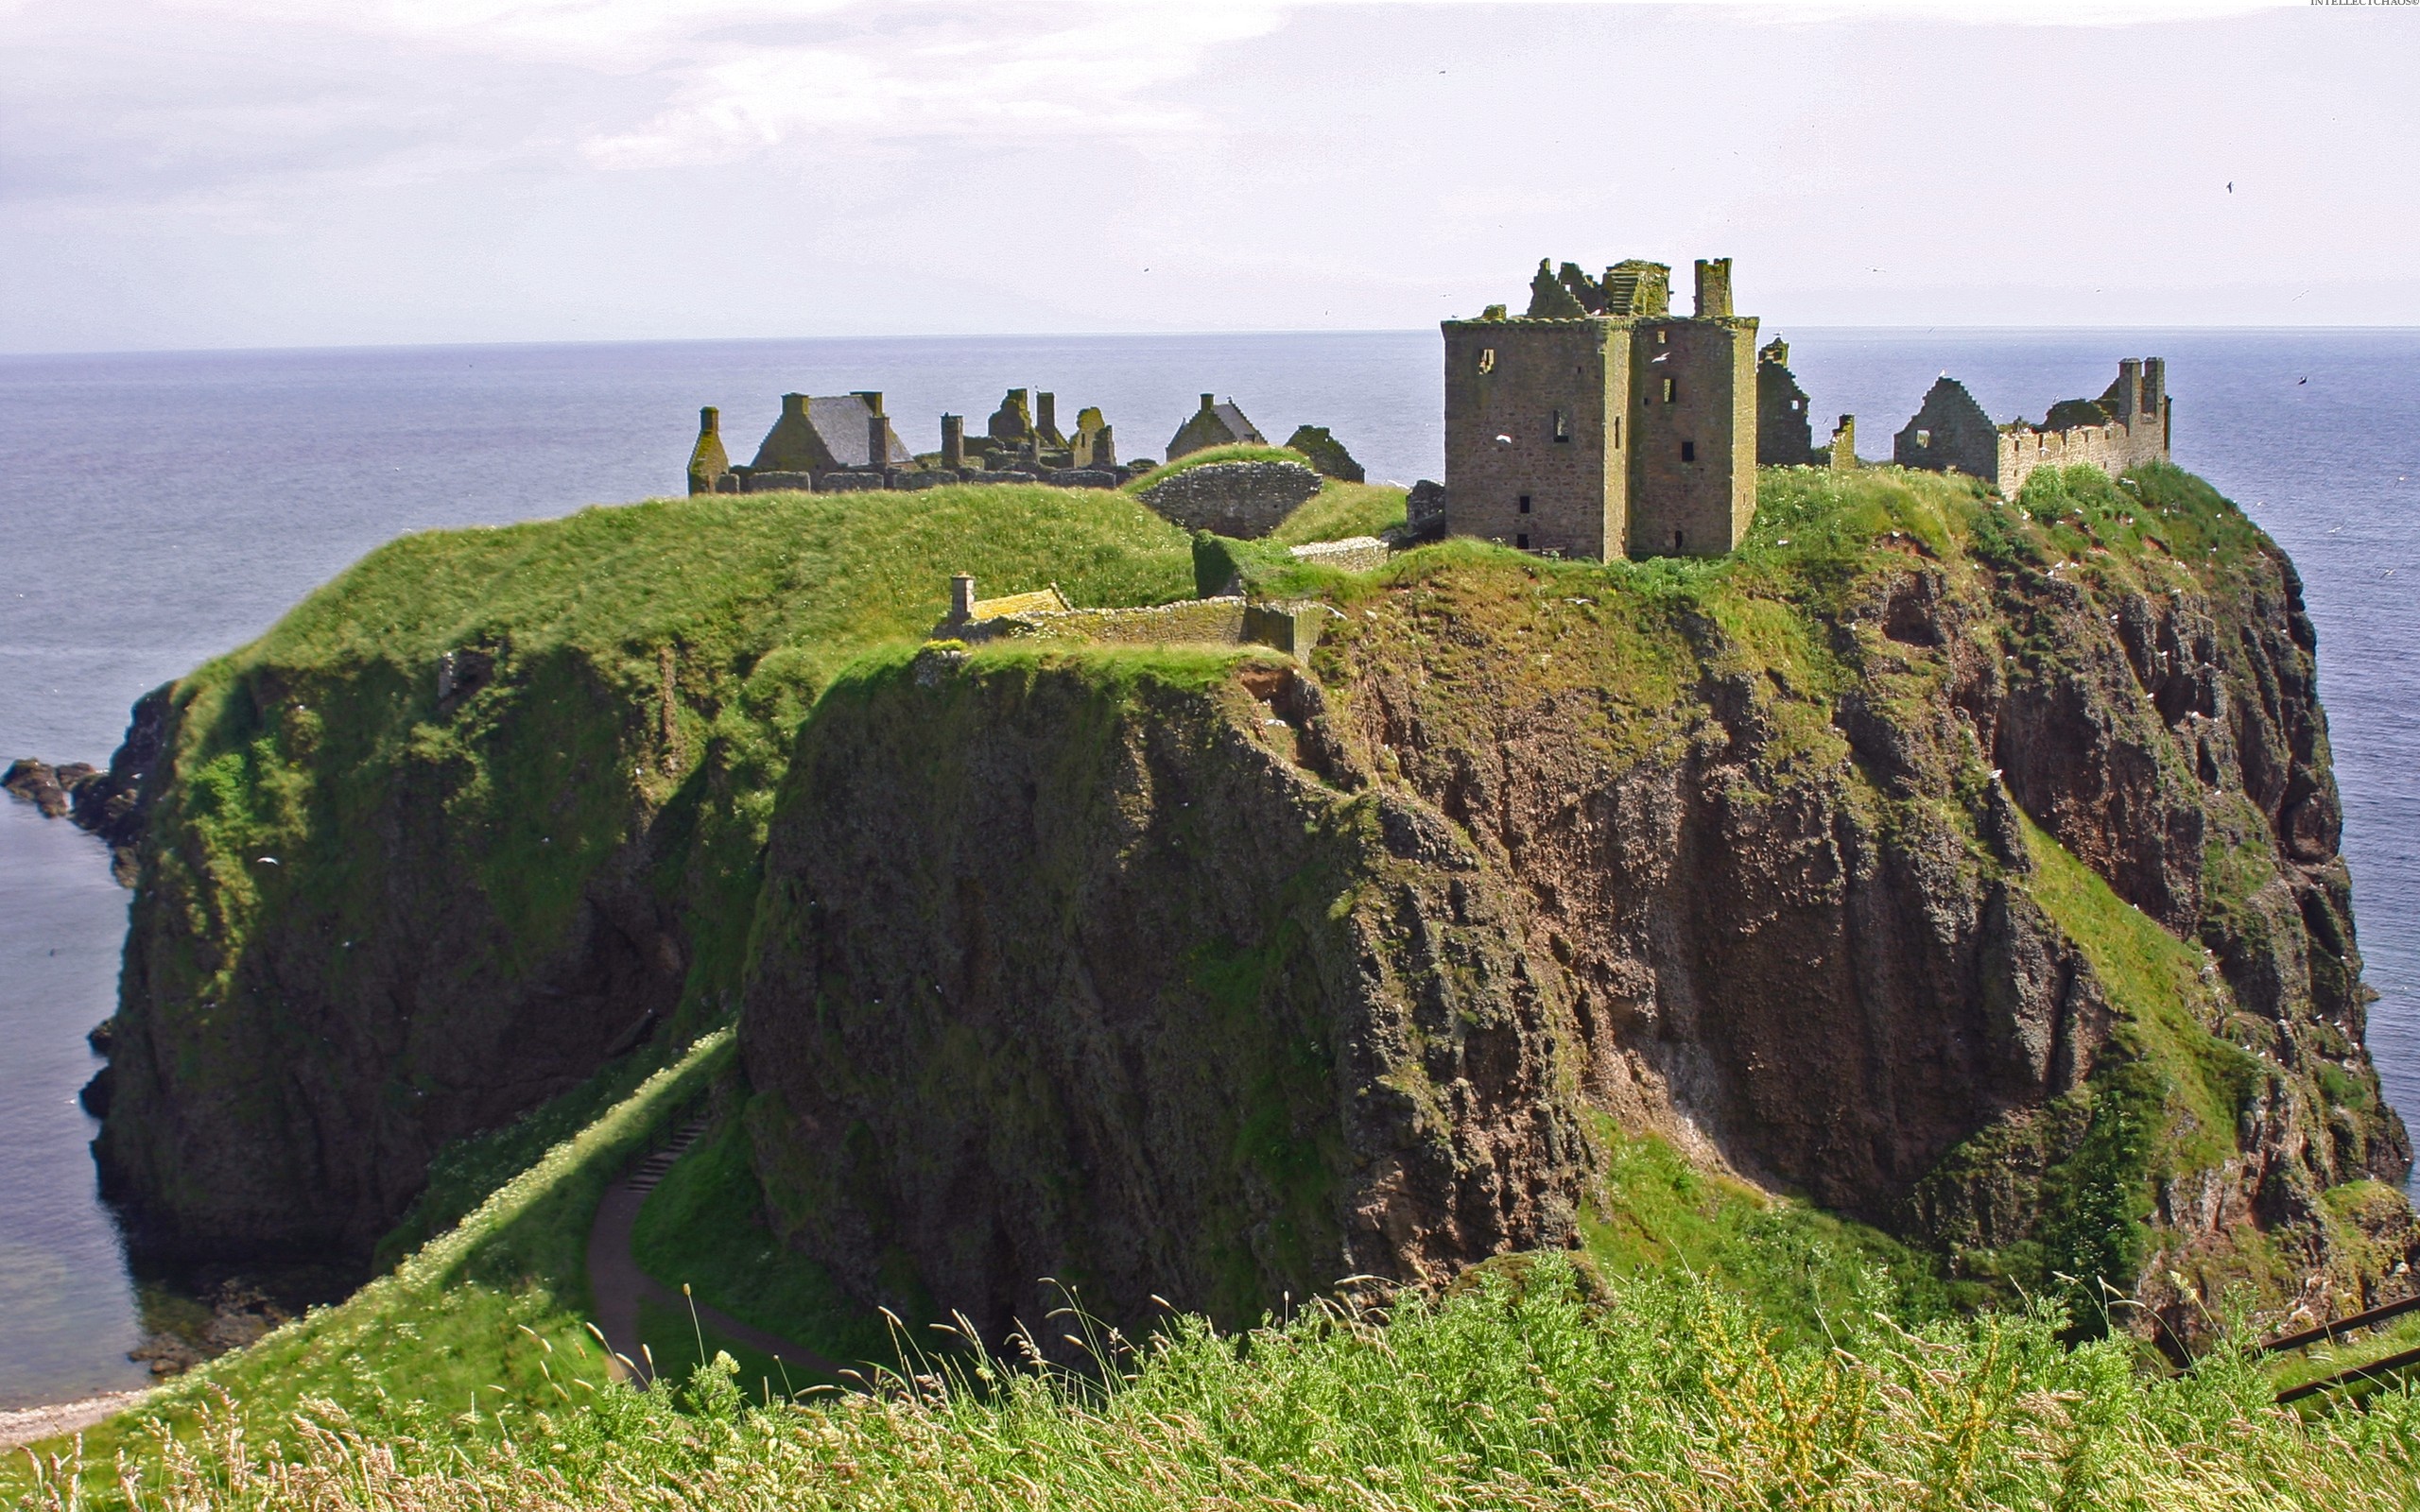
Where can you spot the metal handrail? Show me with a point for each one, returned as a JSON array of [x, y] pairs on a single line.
[[2327, 1332]]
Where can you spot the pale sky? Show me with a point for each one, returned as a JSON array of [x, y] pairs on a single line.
[[249, 173]]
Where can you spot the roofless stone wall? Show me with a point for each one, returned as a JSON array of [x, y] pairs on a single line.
[[2113, 448]]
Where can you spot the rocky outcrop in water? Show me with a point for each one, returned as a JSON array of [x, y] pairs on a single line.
[[108, 802]]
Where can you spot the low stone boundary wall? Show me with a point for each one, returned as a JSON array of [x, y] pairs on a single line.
[[1354, 554], [1242, 500], [906, 482], [1192, 621]]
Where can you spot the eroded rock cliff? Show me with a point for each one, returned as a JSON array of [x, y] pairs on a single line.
[[1967, 866]]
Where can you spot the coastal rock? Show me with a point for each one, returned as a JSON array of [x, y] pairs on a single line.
[[44, 786]]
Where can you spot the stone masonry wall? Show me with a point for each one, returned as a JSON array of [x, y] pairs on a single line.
[[1505, 383], [2112, 448], [1244, 501], [1693, 468], [1194, 621]]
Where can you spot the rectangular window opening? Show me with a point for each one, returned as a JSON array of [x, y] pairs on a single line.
[[1525, 504], [1522, 542], [1689, 451], [1562, 426], [1618, 433], [1672, 391]]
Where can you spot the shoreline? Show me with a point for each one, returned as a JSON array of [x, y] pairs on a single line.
[[19, 1426]]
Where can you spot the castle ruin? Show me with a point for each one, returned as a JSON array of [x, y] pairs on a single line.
[[843, 443], [1785, 430], [2128, 425], [1599, 424]]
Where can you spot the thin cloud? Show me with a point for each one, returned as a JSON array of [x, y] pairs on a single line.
[[1088, 71]]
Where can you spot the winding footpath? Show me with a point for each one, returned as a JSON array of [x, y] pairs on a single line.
[[31, 1425], [616, 1285]]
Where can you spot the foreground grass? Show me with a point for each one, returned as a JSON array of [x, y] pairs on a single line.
[[490, 1314], [1510, 1394]]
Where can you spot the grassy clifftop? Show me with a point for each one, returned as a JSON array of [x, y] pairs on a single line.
[[1966, 866]]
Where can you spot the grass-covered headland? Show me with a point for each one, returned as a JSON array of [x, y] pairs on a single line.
[[652, 687]]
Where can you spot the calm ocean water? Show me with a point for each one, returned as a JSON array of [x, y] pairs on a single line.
[[161, 508]]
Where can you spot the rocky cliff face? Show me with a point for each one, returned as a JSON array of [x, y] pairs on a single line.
[[1073, 972], [1981, 881], [338, 958], [1965, 866]]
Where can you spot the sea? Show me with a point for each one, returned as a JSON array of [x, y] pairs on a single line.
[[156, 509]]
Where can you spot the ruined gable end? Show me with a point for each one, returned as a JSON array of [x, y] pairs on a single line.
[[1949, 434]]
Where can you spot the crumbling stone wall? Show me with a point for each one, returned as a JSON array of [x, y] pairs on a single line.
[[1327, 453], [1949, 434], [1245, 500], [1354, 554], [2113, 448], [2128, 426], [1785, 430]]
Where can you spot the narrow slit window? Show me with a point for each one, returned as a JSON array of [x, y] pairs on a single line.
[[1562, 426], [1676, 540], [1487, 359], [1672, 390], [1618, 433], [1525, 504], [1689, 451]]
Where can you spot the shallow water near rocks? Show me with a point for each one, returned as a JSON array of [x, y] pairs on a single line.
[[159, 508]]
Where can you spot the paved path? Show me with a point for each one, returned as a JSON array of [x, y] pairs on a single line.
[[30, 1425], [617, 1285]]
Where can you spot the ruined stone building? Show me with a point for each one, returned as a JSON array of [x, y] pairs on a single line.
[[1785, 430], [816, 435], [2127, 426], [1214, 425], [846, 443], [1599, 424], [1029, 433]]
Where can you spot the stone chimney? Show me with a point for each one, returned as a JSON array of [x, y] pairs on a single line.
[[953, 440], [709, 422], [962, 598], [1208, 402], [877, 442], [793, 406], [1045, 413], [1714, 289], [2130, 389]]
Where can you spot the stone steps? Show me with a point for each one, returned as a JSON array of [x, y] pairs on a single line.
[[650, 1170]]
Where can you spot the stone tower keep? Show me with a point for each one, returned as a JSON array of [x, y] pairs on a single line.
[[1600, 424]]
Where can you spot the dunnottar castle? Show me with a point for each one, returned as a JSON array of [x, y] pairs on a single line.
[[1596, 424]]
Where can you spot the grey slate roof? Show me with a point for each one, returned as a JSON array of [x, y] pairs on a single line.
[[819, 432]]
